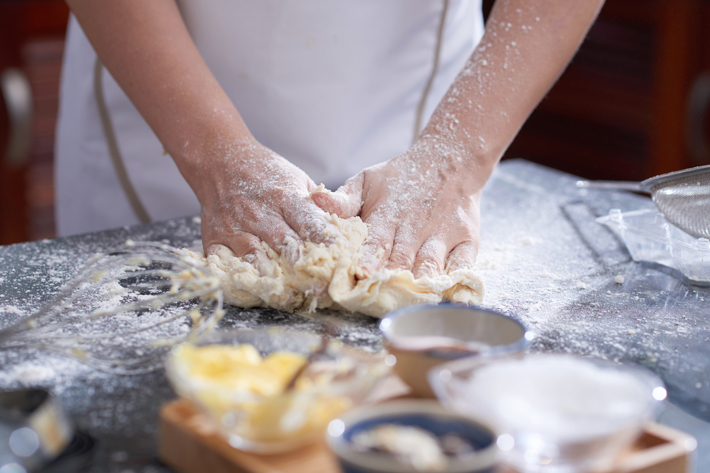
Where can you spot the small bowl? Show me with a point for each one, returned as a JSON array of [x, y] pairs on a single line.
[[480, 332], [425, 414], [282, 421], [565, 413]]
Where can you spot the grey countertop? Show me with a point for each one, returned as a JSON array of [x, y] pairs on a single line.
[[543, 258]]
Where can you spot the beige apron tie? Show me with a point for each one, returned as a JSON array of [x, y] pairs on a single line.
[[115, 153], [432, 76]]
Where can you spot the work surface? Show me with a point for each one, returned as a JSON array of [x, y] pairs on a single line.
[[543, 258]]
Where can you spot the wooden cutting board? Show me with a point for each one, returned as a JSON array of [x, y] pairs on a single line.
[[189, 444]]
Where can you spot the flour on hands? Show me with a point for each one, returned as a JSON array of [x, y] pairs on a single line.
[[328, 276]]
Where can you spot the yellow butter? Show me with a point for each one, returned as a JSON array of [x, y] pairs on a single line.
[[238, 381]]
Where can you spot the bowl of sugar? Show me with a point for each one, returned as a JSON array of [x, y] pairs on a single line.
[[565, 413], [424, 336]]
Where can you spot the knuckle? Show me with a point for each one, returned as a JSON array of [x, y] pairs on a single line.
[[401, 258], [463, 256], [246, 249], [429, 263]]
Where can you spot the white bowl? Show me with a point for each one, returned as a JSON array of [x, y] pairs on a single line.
[[566, 413]]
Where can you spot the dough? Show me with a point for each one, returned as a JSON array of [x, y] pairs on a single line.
[[325, 277]]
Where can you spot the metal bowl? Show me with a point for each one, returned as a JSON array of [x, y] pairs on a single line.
[[468, 331]]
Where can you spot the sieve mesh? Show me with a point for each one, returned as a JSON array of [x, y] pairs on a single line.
[[684, 200]]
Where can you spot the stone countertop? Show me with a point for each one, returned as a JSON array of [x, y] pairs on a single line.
[[543, 258]]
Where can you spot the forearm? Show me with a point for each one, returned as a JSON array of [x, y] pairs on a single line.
[[148, 50], [526, 47]]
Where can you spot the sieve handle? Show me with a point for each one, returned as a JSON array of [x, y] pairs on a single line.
[[611, 185]]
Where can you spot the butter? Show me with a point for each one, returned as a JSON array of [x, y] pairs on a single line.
[[245, 392]]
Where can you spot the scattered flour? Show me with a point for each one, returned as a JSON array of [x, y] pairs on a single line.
[[12, 309]]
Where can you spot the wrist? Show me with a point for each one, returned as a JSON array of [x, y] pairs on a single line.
[[211, 162], [465, 159]]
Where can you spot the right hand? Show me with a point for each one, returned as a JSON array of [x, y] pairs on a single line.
[[249, 194]]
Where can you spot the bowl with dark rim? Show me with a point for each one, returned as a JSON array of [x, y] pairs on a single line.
[[427, 415]]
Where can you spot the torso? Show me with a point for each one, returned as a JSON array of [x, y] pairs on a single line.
[[332, 85]]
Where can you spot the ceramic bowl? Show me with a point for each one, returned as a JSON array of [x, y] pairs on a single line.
[[471, 331], [425, 414], [565, 413], [282, 421]]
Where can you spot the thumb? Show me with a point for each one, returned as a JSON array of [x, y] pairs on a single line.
[[345, 202]]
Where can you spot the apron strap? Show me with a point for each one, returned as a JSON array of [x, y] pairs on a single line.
[[432, 76], [112, 143]]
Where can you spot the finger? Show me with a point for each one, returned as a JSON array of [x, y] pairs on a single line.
[[245, 246], [346, 202], [404, 250], [376, 249], [280, 237], [430, 259], [463, 256], [311, 222]]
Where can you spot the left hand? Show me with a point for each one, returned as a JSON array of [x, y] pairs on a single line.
[[422, 209]]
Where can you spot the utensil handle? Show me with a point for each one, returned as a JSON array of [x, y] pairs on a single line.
[[611, 185]]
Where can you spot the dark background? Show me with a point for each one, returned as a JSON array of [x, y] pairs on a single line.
[[630, 106]]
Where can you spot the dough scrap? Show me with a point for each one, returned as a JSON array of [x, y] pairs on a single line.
[[325, 278]]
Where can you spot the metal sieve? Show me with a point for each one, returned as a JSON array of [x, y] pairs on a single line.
[[683, 197]]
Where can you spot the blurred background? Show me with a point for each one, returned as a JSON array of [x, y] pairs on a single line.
[[633, 103]]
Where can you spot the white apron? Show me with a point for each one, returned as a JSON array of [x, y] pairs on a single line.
[[334, 86]]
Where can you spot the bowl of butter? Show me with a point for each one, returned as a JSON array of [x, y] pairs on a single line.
[[271, 390]]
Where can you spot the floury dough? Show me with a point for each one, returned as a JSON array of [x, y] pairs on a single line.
[[324, 277]]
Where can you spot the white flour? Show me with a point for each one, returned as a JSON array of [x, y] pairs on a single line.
[[560, 396]]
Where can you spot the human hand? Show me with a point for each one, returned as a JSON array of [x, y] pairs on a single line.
[[422, 209], [249, 194]]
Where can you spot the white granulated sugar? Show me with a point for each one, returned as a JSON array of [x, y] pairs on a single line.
[[558, 396]]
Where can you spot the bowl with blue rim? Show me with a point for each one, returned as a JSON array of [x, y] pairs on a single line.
[[411, 435], [424, 336]]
